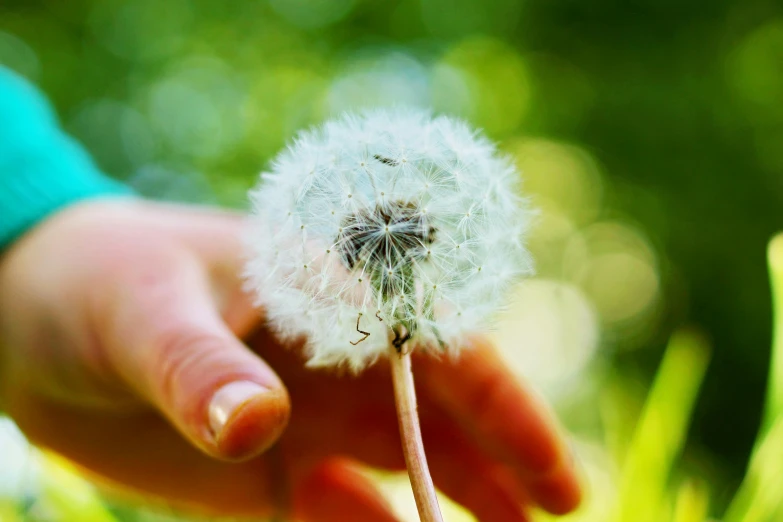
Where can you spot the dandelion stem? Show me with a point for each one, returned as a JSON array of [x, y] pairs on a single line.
[[410, 433]]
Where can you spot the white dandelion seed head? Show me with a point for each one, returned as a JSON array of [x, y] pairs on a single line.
[[382, 227]]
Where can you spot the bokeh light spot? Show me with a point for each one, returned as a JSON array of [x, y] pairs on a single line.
[[310, 14], [755, 70], [17, 55], [380, 78], [280, 102], [496, 78], [618, 269], [562, 175], [117, 134], [196, 108], [548, 334], [449, 18], [142, 30]]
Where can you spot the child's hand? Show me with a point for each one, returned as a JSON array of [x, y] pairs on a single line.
[[120, 328]]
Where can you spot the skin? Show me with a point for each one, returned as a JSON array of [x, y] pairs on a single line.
[[121, 319]]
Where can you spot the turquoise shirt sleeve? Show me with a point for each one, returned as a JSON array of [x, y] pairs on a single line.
[[42, 169]]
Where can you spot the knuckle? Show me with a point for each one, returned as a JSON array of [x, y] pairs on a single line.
[[181, 353]]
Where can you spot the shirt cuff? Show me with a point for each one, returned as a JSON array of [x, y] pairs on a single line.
[[34, 190]]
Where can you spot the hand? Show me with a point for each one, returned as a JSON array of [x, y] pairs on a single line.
[[120, 329]]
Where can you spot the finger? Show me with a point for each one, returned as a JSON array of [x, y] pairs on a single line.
[[337, 492], [164, 336], [215, 235], [210, 231], [329, 407], [141, 455], [505, 418], [559, 492], [467, 476]]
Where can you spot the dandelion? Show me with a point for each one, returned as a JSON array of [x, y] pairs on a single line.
[[382, 233], [382, 227]]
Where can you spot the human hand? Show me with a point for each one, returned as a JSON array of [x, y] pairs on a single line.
[[120, 328]]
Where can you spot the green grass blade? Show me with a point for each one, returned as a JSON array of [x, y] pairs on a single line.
[[661, 430], [692, 502], [774, 406], [758, 496]]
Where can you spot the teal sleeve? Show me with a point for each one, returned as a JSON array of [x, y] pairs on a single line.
[[42, 169]]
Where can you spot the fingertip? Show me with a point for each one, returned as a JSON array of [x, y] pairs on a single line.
[[533, 437], [335, 491], [558, 493], [245, 419], [509, 416]]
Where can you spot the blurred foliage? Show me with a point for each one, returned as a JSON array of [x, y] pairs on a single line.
[[649, 134], [660, 431]]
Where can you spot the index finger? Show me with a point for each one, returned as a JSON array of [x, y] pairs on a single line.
[[506, 419]]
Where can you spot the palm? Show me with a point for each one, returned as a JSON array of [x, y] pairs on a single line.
[[491, 447]]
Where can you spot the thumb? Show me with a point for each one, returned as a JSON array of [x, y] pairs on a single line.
[[164, 336]]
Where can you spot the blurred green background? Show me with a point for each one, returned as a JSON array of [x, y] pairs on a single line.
[[650, 135]]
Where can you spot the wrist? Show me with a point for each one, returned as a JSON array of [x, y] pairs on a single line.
[[29, 198]]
